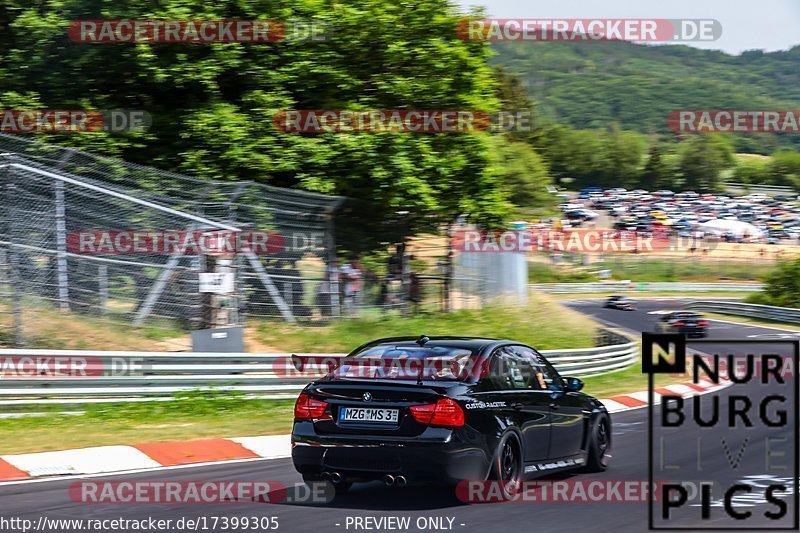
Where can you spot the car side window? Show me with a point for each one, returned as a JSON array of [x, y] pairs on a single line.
[[509, 371], [520, 369], [496, 378], [545, 376]]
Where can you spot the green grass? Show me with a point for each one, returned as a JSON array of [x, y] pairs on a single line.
[[549, 273], [543, 324], [190, 416], [651, 270], [690, 270], [47, 328]]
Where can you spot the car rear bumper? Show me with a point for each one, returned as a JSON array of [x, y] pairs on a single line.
[[693, 332], [446, 461]]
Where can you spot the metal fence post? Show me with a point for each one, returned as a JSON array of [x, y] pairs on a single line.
[[102, 273], [16, 299], [332, 267], [9, 259], [61, 246]]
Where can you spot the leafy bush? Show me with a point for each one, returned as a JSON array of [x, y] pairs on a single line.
[[782, 286]]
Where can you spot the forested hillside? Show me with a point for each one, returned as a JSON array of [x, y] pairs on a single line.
[[595, 84]]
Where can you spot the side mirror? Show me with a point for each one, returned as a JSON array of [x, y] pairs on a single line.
[[573, 384]]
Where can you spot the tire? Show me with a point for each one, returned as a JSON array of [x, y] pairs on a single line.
[[597, 457], [507, 466]]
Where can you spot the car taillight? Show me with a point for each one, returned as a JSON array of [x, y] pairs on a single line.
[[444, 413], [678, 323], [307, 408], [702, 323]]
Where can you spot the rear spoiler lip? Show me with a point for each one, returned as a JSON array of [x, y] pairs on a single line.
[[410, 382]]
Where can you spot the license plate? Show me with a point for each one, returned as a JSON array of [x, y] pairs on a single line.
[[369, 414]]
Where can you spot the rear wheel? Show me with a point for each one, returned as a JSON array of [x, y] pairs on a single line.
[[507, 466], [599, 445]]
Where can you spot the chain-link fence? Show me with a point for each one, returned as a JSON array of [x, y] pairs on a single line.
[[420, 276], [97, 236]]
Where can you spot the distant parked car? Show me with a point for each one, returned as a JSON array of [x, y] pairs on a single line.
[[585, 193], [587, 214]]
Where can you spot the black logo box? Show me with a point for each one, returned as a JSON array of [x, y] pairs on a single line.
[[675, 345]]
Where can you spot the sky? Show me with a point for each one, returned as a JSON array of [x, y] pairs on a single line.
[[746, 24]]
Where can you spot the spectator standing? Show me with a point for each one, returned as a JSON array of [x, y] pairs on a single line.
[[327, 287], [414, 289], [395, 262], [351, 276]]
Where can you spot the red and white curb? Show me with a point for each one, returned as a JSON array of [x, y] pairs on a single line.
[[636, 400], [105, 459], [109, 459]]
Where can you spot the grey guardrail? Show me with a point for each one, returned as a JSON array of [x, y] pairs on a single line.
[[768, 312], [627, 286], [101, 376]]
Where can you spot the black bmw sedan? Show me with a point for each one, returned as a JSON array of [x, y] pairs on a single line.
[[446, 409]]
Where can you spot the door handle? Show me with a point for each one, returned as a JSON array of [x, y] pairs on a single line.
[[517, 405], [553, 405]]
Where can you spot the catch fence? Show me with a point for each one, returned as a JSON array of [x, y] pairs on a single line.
[[88, 235]]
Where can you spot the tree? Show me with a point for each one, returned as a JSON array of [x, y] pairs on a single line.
[[637, 85], [751, 170], [212, 104], [592, 157], [702, 159], [784, 168], [656, 174], [625, 152], [522, 172], [781, 285], [579, 156], [514, 100]]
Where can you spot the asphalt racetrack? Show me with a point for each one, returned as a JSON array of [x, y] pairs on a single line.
[[441, 511]]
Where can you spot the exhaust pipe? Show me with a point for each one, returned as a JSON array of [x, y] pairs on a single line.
[[336, 477], [325, 475], [388, 480], [401, 481]]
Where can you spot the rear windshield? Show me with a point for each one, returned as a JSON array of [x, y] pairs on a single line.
[[408, 363]]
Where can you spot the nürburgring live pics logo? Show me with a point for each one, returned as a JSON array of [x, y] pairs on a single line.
[[727, 459]]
